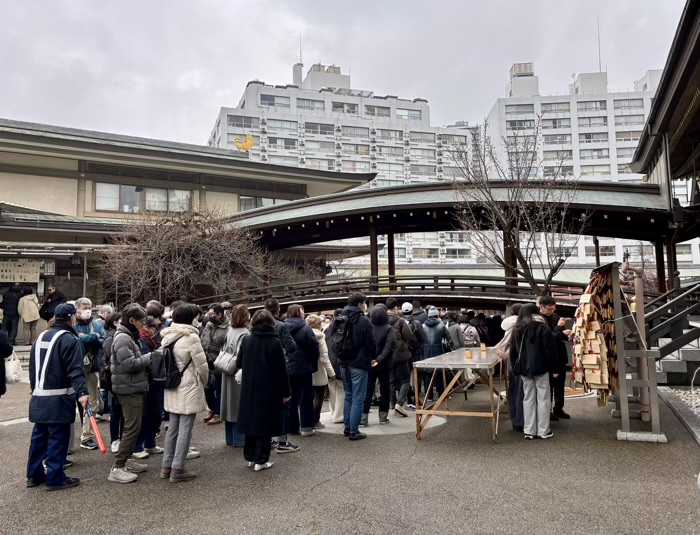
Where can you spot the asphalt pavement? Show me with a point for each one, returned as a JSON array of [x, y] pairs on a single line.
[[454, 480]]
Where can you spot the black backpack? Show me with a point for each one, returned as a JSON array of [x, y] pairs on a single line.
[[173, 376], [341, 339], [413, 344]]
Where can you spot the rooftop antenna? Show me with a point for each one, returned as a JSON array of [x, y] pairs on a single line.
[[600, 68]]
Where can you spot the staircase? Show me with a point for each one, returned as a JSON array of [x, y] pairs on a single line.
[[673, 327]]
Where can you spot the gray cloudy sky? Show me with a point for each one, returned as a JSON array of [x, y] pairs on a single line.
[[163, 68]]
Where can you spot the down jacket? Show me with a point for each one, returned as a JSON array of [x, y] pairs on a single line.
[[384, 336], [28, 308], [305, 358], [325, 368], [403, 335], [188, 398], [128, 366]]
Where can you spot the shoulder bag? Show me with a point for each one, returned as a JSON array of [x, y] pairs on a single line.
[[226, 361]]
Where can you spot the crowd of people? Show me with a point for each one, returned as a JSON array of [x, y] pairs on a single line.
[[264, 376]]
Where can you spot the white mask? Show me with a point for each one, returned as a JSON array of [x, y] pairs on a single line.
[[85, 314]]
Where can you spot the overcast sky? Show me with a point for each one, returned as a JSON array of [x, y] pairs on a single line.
[[163, 68]]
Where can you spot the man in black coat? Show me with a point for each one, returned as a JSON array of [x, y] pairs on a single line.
[[381, 367], [53, 299], [5, 351], [561, 336], [10, 305]]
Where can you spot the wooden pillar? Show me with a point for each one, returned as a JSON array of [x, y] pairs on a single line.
[[596, 243], [510, 271], [660, 266], [373, 256], [671, 262], [391, 257]]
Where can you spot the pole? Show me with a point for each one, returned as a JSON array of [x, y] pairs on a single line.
[[596, 243], [391, 257], [374, 256], [671, 257], [84, 275], [660, 266]]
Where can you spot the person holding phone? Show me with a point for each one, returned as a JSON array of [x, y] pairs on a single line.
[[548, 307]]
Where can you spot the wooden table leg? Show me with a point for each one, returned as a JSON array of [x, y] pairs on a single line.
[[416, 391], [444, 386], [493, 412]]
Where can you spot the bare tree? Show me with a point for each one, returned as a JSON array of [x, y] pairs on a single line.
[[515, 207], [167, 256], [643, 256]]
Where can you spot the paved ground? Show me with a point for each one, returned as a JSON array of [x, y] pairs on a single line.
[[453, 481]]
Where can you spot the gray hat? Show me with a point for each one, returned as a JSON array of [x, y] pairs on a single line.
[[65, 310], [433, 312]]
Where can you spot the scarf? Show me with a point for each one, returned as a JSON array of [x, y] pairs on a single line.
[[145, 335]]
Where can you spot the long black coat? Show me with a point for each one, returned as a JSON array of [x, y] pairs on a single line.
[[52, 301], [535, 344], [264, 384], [560, 339]]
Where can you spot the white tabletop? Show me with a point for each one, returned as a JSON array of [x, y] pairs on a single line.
[[457, 359]]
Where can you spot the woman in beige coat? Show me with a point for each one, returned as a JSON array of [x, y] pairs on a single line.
[[184, 402], [28, 308], [325, 369]]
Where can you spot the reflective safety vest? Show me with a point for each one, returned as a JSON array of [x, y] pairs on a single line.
[[45, 348]]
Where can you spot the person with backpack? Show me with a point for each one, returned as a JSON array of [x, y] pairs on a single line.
[[533, 356], [400, 376], [230, 388], [301, 364], [469, 332], [186, 365], [436, 336], [116, 417], [381, 366], [456, 334], [129, 384], [355, 346]]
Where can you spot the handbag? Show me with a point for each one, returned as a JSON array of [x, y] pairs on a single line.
[[226, 361], [517, 369], [13, 369]]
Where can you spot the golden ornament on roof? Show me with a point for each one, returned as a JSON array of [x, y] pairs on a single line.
[[246, 144]]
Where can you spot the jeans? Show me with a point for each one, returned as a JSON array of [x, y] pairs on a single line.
[[257, 449], [319, 394], [213, 395], [177, 441], [150, 425], [9, 326], [233, 437], [50, 442], [116, 419], [355, 384], [536, 404], [383, 375], [132, 407], [302, 404], [400, 382]]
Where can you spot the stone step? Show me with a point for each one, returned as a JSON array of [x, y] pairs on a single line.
[[690, 354], [673, 365], [661, 377]]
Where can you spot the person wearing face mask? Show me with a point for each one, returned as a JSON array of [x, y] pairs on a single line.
[[129, 384], [213, 339], [57, 378], [228, 309], [92, 335]]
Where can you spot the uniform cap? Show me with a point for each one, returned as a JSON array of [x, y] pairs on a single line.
[[65, 310], [407, 307]]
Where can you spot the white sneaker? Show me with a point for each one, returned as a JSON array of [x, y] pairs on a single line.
[[193, 454], [141, 455], [307, 434], [134, 467], [120, 475], [115, 446], [265, 466], [157, 450]]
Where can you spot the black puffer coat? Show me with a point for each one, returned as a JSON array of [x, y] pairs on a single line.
[[384, 334], [305, 358], [535, 344]]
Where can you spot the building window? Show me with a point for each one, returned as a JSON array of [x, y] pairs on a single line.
[[557, 171], [585, 122], [274, 101], [629, 120], [451, 139], [283, 160], [355, 167], [453, 172], [355, 131], [308, 104], [557, 155], [133, 199], [625, 152], [627, 136], [555, 107], [422, 153], [458, 254], [384, 183], [639, 251], [594, 170], [345, 107], [516, 109], [350, 148], [238, 121], [317, 163], [520, 124], [107, 197], [395, 135], [624, 169], [400, 252], [594, 154], [378, 111], [422, 137], [279, 124], [282, 143], [319, 128], [605, 250], [320, 146], [423, 170], [557, 139], [390, 168], [684, 249], [550, 124], [426, 253], [396, 152], [411, 115], [178, 200], [592, 105], [250, 203], [629, 103], [593, 137]]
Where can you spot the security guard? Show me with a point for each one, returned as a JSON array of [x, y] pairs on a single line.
[[57, 376]]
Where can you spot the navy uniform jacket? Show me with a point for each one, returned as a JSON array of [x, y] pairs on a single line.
[[53, 402]]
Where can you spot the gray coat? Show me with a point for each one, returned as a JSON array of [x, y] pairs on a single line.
[[128, 366], [230, 389]]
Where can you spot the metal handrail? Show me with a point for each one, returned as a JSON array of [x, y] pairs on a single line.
[[658, 300], [654, 314]]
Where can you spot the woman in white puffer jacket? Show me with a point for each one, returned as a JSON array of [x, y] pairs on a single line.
[[184, 402]]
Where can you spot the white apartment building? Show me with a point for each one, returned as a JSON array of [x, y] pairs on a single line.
[[319, 121]]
